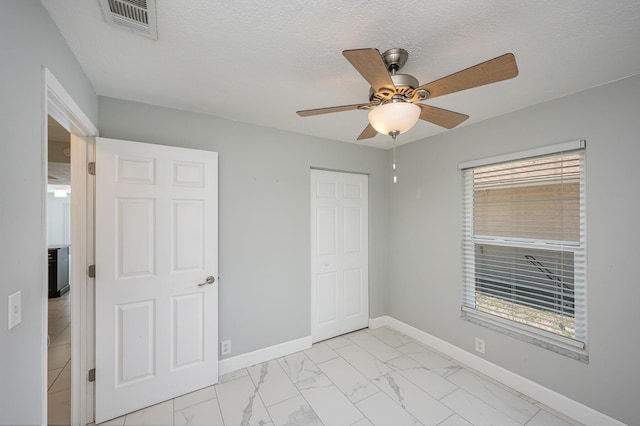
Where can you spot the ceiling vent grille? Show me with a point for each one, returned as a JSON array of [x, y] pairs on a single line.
[[138, 16]]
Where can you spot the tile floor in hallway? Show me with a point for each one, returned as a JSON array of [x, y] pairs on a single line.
[[59, 361], [369, 377]]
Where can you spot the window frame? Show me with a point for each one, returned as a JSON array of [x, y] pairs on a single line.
[[572, 347]]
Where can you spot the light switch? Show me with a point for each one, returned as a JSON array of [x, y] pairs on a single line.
[[15, 309]]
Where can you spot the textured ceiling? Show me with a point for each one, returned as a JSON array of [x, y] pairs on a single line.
[[260, 61]]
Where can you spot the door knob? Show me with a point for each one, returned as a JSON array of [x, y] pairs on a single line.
[[209, 280]]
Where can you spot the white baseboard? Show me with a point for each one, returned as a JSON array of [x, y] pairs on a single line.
[[261, 355], [379, 321], [546, 396]]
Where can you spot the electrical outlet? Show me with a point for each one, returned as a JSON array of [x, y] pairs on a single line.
[[15, 309], [225, 347], [480, 345]]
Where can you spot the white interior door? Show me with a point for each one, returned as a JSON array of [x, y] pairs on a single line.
[[156, 241], [339, 253]]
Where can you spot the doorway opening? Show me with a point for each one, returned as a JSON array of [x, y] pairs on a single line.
[[59, 283], [63, 112]]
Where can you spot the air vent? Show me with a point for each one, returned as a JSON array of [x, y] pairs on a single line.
[[138, 16]]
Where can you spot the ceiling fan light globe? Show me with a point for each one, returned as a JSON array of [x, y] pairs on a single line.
[[394, 117]]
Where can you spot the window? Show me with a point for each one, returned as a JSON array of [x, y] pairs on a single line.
[[524, 246]]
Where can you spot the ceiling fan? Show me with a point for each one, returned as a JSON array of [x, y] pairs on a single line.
[[393, 98]]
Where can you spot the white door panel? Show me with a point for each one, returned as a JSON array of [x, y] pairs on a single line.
[[339, 253], [156, 240]]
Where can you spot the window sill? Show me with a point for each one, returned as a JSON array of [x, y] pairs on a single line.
[[558, 344]]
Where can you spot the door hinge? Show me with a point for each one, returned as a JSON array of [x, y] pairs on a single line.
[[92, 375], [91, 168], [91, 271]]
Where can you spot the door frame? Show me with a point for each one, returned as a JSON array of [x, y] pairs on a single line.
[[61, 106]]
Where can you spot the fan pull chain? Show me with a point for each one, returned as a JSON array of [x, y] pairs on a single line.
[[393, 163]]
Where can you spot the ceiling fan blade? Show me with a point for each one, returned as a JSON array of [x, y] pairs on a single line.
[[367, 133], [441, 117], [318, 111], [370, 64], [497, 69]]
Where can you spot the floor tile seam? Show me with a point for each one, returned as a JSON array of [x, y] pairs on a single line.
[[492, 406], [62, 344], [392, 398], [59, 322], [276, 403], [454, 413], [61, 390], [54, 382], [490, 379], [201, 402], [535, 414], [399, 371], [288, 378], [302, 369], [58, 376], [396, 333], [58, 392], [374, 337], [395, 402], [311, 406], [505, 413], [338, 389], [388, 362], [444, 376], [300, 394], [215, 390], [53, 343], [256, 392], [359, 372], [365, 349], [452, 409], [173, 404], [499, 385], [432, 350], [192, 405], [319, 343], [436, 398], [448, 393], [436, 351], [501, 410], [357, 369], [557, 414]]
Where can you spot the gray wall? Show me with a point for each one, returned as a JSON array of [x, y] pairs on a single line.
[[264, 216], [29, 40], [425, 249]]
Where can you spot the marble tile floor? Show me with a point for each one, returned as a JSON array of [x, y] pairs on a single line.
[[368, 377], [59, 361]]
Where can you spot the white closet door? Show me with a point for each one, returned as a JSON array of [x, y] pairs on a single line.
[[339, 253]]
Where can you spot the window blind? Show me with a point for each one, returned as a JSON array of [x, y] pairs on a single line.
[[524, 247]]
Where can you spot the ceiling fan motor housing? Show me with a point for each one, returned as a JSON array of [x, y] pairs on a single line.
[[404, 83]]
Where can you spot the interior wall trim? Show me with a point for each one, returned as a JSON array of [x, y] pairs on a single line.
[[546, 396], [248, 359]]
